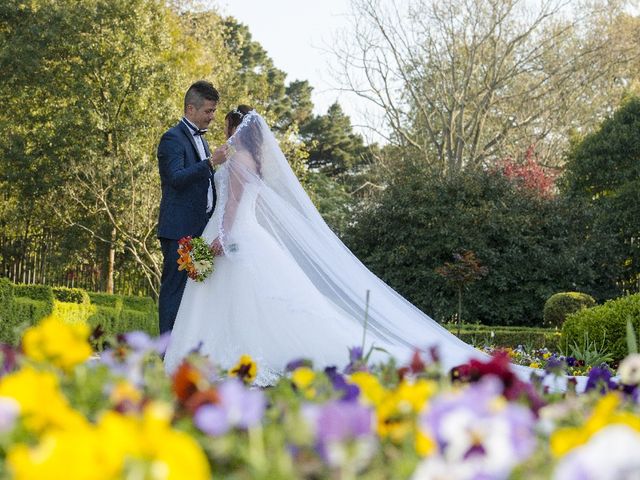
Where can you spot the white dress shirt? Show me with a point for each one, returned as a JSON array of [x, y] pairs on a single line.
[[203, 155]]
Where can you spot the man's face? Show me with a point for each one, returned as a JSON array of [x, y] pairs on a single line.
[[202, 117]]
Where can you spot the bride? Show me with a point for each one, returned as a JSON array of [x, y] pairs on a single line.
[[285, 286]]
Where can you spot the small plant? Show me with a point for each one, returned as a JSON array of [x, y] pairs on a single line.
[[632, 339], [590, 352], [461, 273]]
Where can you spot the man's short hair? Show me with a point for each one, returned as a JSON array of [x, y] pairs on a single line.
[[199, 92]]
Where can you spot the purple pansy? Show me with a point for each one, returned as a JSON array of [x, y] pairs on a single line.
[[298, 363], [349, 391], [338, 424], [480, 428], [600, 378], [239, 407]]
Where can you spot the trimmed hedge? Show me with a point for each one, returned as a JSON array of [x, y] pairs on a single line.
[[24, 313], [512, 337], [106, 300], [72, 312], [42, 293], [558, 306], [24, 305], [70, 295], [6, 298], [140, 304], [604, 326]]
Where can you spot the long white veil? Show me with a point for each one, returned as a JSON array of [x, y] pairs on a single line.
[[283, 209]]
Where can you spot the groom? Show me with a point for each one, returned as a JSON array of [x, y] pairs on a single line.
[[188, 196]]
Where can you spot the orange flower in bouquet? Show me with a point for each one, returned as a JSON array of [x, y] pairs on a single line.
[[195, 257]]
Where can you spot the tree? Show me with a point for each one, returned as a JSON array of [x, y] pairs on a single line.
[[333, 147], [533, 245], [109, 72], [603, 170], [462, 272], [467, 82], [529, 174]]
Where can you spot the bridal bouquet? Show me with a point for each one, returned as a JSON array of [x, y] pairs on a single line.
[[195, 257]]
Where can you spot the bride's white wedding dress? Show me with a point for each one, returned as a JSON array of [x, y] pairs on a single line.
[[286, 286]]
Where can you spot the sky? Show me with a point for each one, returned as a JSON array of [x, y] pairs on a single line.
[[297, 35]]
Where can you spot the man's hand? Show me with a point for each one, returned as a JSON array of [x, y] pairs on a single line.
[[216, 247], [219, 155]]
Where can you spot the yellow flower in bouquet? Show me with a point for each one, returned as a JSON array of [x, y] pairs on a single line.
[[42, 404], [55, 341]]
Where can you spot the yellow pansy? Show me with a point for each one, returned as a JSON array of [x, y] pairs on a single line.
[[42, 404], [371, 391], [424, 444], [125, 391], [116, 447], [565, 439], [57, 342], [246, 369], [303, 378], [416, 394], [72, 455]]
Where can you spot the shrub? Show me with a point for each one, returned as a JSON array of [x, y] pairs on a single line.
[[70, 295], [6, 298], [72, 312], [40, 304], [42, 293], [558, 306], [508, 337], [130, 320], [106, 300], [604, 326], [106, 317], [140, 304], [24, 305], [24, 313], [533, 246]]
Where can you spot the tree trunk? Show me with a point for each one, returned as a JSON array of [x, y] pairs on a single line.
[[112, 261], [459, 309]]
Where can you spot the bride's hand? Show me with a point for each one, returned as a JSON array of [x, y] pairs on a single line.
[[216, 247]]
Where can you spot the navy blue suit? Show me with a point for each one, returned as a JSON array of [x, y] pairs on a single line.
[[183, 211]]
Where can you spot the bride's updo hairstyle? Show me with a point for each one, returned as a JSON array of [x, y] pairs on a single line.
[[251, 135]]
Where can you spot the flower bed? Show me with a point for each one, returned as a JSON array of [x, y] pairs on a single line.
[[67, 413]]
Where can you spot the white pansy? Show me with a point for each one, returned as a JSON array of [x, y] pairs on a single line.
[[9, 411], [629, 370]]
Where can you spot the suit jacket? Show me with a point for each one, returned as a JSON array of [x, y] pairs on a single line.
[[185, 183]]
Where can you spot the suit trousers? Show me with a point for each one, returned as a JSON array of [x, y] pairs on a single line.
[[172, 285]]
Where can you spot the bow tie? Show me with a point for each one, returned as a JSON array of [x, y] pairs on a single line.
[[195, 130]]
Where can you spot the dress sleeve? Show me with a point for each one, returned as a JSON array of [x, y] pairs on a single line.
[[241, 171]]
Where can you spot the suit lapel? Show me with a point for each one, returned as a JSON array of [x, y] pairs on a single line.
[[187, 132]]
